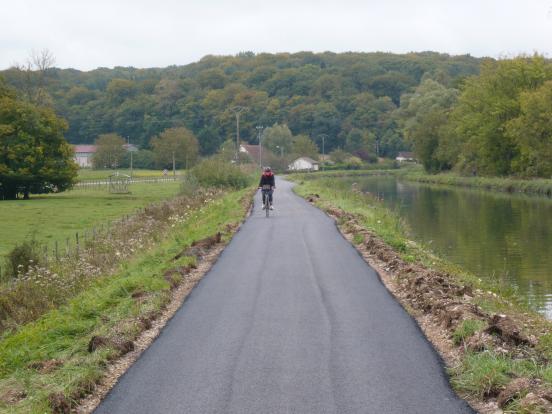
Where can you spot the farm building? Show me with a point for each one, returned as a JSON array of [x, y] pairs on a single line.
[[304, 164]]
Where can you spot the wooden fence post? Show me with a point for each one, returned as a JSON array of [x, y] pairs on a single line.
[[57, 252], [77, 239]]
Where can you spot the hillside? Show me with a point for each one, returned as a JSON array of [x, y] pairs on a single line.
[[342, 95]]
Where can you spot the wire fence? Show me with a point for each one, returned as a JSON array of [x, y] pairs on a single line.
[[73, 246], [102, 183]]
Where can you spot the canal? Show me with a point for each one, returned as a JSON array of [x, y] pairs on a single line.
[[504, 237]]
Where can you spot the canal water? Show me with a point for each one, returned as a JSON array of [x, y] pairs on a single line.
[[504, 237]]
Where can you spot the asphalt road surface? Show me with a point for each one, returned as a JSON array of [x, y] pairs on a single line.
[[289, 320]]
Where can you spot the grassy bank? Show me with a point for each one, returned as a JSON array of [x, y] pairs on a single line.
[[490, 339], [509, 184], [53, 217], [48, 365]]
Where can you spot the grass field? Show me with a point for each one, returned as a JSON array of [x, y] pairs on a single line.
[[58, 216], [89, 174]]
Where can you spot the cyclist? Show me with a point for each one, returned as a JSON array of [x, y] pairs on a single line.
[[267, 186]]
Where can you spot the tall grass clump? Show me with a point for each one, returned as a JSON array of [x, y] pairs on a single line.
[[215, 172]]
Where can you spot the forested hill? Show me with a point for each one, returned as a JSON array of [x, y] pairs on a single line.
[[343, 95]]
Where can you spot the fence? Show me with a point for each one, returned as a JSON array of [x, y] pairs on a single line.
[[73, 246], [102, 183]]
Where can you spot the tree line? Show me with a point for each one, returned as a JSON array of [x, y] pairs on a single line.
[[350, 98], [497, 123], [477, 116]]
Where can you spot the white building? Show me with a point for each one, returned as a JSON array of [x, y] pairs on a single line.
[[83, 155], [303, 164], [405, 156]]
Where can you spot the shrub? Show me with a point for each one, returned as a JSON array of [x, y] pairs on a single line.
[[189, 185], [22, 256], [216, 172]]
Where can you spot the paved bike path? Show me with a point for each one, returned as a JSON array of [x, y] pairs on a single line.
[[289, 320]]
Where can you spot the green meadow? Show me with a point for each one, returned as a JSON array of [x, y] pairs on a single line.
[[53, 217]]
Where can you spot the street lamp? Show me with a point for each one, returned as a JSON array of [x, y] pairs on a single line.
[[237, 111], [323, 136], [281, 148], [260, 134]]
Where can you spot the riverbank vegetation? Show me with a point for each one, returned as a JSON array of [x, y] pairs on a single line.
[[62, 322], [498, 350], [510, 184], [495, 124]]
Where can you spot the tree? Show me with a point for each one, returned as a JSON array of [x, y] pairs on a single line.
[[487, 104], [178, 144], [303, 146], [278, 139], [339, 156], [425, 116], [532, 131], [109, 151], [34, 156]]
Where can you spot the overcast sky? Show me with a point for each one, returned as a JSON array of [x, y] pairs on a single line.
[[85, 34]]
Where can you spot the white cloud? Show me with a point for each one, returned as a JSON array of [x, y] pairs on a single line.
[[146, 33]]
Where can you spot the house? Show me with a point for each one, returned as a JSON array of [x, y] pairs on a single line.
[[304, 164], [405, 156], [253, 151], [83, 155]]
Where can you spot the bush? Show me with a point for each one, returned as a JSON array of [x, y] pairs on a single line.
[[189, 185], [216, 172], [22, 256]]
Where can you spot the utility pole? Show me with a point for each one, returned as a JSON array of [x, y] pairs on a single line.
[[174, 166], [260, 134], [237, 111], [323, 136], [129, 149]]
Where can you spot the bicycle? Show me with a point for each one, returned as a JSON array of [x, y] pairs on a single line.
[[266, 191]]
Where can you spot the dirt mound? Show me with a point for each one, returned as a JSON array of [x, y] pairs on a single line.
[[121, 345], [13, 395], [515, 390], [59, 403], [200, 247], [505, 328], [45, 367]]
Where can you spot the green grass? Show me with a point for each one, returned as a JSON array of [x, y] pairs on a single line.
[[106, 307], [466, 330], [89, 174], [54, 217], [484, 374]]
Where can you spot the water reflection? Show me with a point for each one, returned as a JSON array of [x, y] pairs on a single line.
[[500, 236]]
